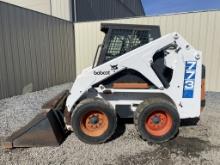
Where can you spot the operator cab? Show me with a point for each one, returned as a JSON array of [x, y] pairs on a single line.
[[122, 38]]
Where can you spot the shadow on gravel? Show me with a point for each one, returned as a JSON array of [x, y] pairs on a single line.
[[121, 128], [189, 122], [166, 153]]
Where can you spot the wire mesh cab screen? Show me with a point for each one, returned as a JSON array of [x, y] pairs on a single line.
[[123, 41], [122, 38]]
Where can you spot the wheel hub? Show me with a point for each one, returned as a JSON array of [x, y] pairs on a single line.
[[94, 123], [94, 120], [156, 119], [158, 123]]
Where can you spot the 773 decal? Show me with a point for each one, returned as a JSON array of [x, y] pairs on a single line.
[[189, 79]]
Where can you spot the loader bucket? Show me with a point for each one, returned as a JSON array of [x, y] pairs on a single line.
[[46, 129]]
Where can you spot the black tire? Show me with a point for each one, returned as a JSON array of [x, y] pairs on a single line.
[[145, 110], [88, 106]]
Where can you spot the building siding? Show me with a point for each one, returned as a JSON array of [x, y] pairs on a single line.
[[87, 10], [36, 51], [57, 8], [42, 6], [202, 30], [62, 9]]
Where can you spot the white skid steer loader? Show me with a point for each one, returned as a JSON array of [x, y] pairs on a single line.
[[157, 81]]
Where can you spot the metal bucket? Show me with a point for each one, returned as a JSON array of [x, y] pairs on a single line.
[[46, 129]]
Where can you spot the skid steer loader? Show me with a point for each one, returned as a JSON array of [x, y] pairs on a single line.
[[136, 73]]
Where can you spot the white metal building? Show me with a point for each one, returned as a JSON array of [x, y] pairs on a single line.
[[58, 8]]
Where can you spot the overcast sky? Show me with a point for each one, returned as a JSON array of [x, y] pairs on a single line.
[[155, 7]]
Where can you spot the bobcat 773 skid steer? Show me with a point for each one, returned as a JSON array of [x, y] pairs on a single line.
[[157, 81]]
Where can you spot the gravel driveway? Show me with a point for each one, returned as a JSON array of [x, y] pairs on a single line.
[[194, 145]]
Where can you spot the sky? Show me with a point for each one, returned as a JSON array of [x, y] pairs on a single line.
[[157, 7]]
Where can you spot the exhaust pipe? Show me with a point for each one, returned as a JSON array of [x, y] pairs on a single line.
[[46, 129]]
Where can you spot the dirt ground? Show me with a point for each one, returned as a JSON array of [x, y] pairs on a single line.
[[194, 145]]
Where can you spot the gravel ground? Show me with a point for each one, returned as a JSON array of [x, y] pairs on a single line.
[[194, 145]]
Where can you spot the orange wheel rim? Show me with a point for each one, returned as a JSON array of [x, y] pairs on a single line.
[[94, 123], [158, 123]]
